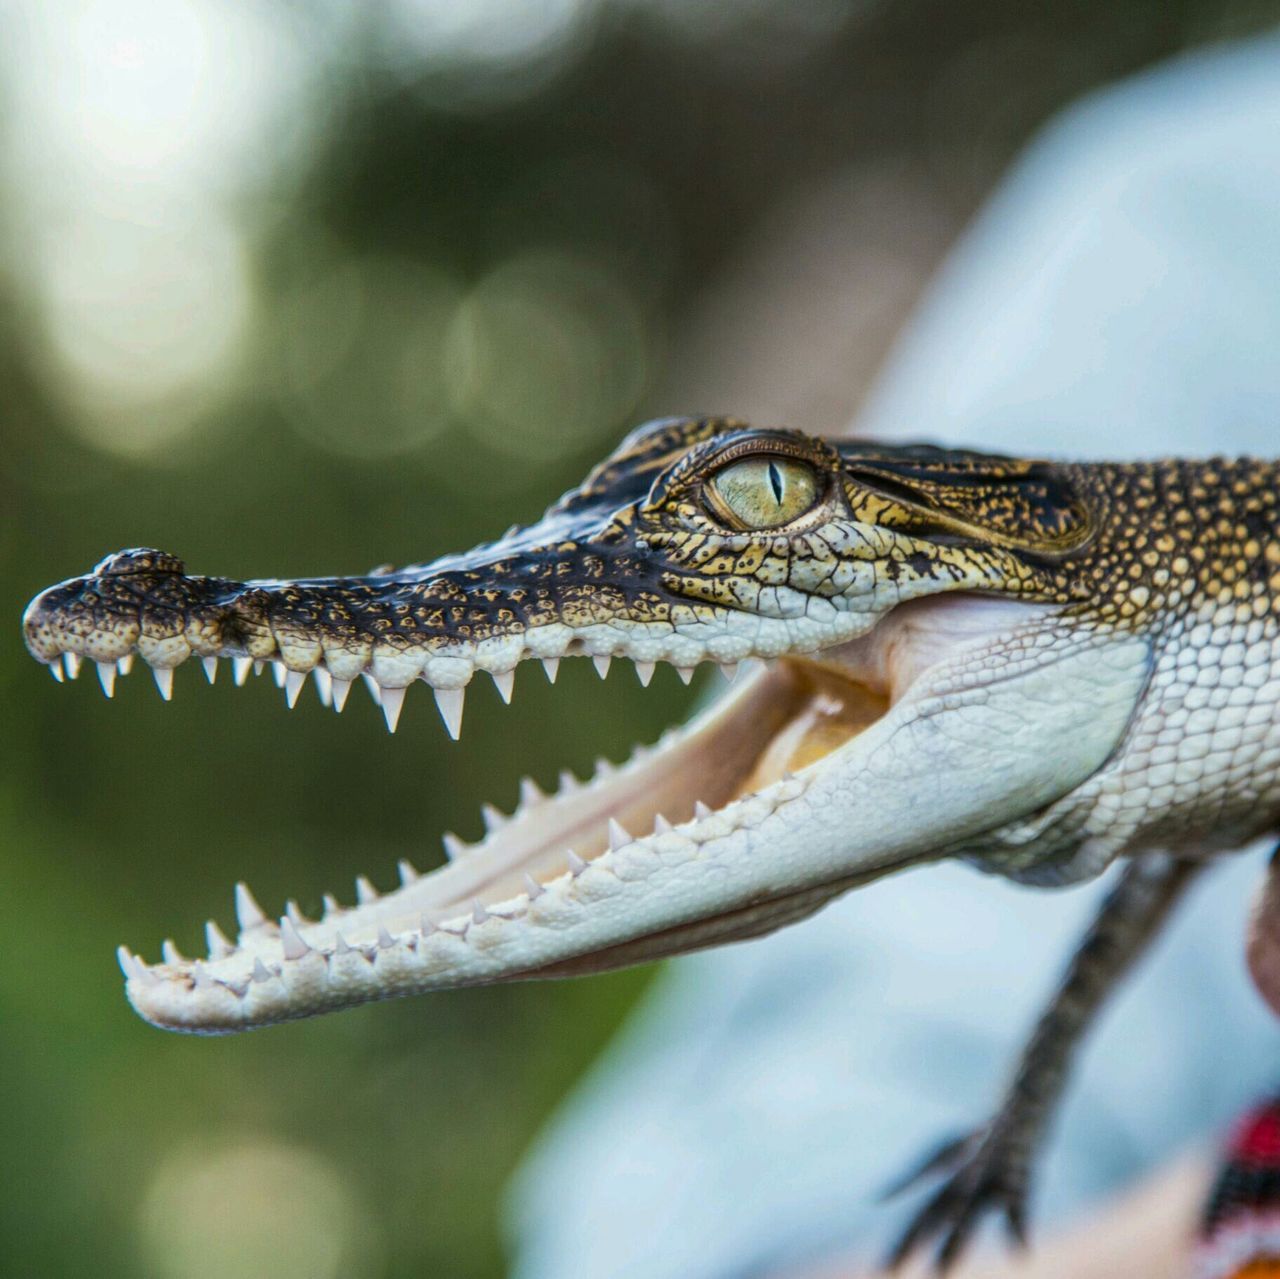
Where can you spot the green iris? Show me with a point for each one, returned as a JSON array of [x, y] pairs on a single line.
[[764, 492]]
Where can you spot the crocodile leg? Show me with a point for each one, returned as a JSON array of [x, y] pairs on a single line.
[[990, 1169]]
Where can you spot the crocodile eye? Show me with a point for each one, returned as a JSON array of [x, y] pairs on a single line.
[[763, 492]]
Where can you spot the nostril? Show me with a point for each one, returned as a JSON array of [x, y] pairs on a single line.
[[139, 560]]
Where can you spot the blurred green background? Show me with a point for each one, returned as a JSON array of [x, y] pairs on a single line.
[[299, 289]]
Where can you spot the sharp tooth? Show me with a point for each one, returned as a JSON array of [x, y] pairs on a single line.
[[392, 701], [685, 673], [128, 964], [644, 672], [71, 663], [210, 665], [701, 811], [385, 939], [293, 682], [341, 687], [291, 943], [365, 891], [729, 670], [532, 888], [240, 668], [618, 836], [494, 818], [200, 976], [170, 953], [568, 782], [332, 906], [530, 793], [373, 687], [602, 662], [576, 864], [125, 664], [661, 826], [341, 946], [552, 666], [453, 846], [408, 873], [324, 686], [450, 701], [426, 926], [219, 946], [506, 682], [56, 671], [248, 912], [260, 971], [107, 677], [296, 917], [164, 680], [280, 673], [604, 767], [258, 665], [478, 913]]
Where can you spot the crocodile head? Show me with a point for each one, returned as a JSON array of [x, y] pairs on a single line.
[[898, 699]]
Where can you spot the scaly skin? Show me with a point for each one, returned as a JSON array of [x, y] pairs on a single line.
[[1034, 666]]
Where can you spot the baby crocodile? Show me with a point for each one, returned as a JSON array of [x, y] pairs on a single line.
[[1035, 666]]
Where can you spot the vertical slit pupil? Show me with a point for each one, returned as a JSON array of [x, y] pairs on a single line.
[[775, 482]]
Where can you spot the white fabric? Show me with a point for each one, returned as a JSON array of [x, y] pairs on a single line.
[[1120, 297]]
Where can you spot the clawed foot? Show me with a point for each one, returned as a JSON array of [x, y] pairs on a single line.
[[985, 1173]]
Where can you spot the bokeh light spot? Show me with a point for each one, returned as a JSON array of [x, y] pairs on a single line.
[[547, 351], [257, 1209]]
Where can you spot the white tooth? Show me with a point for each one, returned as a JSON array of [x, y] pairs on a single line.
[[240, 668], [56, 671], [426, 926], [258, 665], [532, 888], [453, 846], [494, 818], [576, 864], [291, 943], [296, 917], [602, 662], [341, 687], [260, 971], [332, 906], [374, 688], [729, 670], [604, 767], [701, 811], [661, 826], [506, 682], [341, 946], [478, 913], [280, 673], [164, 680], [685, 673], [385, 939], [324, 686], [107, 677], [407, 872], [124, 957], [365, 891], [568, 782], [293, 682], [450, 701], [248, 912], [71, 662], [125, 664], [219, 946], [552, 666], [170, 953], [644, 672], [530, 793], [392, 701], [210, 665], [200, 975], [618, 837]]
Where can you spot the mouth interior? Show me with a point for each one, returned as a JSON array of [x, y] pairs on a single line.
[[780, 720]]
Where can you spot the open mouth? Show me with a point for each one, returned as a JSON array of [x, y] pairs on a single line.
[[746, 752]]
